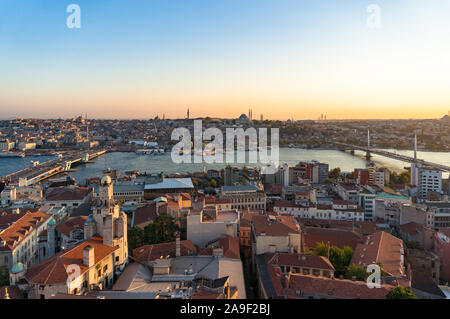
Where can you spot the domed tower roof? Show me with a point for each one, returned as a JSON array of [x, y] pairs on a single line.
[[17, 268], [106, 180], [89, 221], [52, 222]]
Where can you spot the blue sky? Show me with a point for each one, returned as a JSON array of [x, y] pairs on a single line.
[[140, 58]]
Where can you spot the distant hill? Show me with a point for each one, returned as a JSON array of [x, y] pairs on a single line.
[[446, 118]]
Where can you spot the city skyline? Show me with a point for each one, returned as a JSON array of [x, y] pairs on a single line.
[[286, 60]]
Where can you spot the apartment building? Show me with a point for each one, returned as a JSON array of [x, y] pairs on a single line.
[[273, 234], [92, 263], [430, 180], [338, 210], [19, 237], [69, 197], [244, 197], [209, 224]]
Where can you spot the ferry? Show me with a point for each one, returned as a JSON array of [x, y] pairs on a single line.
[[144, 152], [150, 151]]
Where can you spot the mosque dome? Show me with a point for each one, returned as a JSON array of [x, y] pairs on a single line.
[[106, 180], [17, 268], [243, 117]]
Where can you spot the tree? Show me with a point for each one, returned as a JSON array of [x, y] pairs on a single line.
[[162, 230], [213, 183], [335, 173], [339, 258], [4, 277], [135, 238], [403, 178], [356, 271], [401, 293]]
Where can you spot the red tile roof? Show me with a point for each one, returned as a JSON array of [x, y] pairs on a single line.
[[67, 193], [281, 226], [151, 252], [145, 214], [411, 228], [53, 270], [382, 248], [21, 228], [284, 203], [71, 224], [322, 287], [336, 237], [229, 245], [299, 260], [365, 228], [246, 218]]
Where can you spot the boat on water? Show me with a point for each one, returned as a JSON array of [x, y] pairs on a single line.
[[144, 152], [12, 154], [150, 151]]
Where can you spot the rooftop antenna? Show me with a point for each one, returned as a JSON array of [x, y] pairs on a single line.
[[106, 164]]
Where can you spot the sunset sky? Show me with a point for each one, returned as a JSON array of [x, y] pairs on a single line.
[[285, 59]]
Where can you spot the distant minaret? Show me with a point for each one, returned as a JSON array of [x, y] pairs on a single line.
[[187, 114], [368, 138], [262, 118]]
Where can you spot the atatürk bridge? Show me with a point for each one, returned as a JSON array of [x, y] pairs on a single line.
[[403, 158], [40, 172]]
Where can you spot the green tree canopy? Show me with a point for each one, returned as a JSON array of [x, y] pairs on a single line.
[[213, 183], [162, 230], [401, 293], [335, 173], [340, 258], [4, 276], [359, 272]]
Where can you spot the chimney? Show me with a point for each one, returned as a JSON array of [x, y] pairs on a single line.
[[178, 246], [230, 230], [88, 256]]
